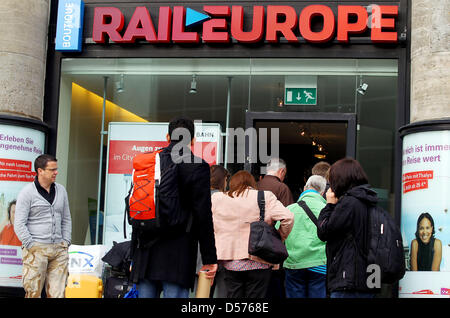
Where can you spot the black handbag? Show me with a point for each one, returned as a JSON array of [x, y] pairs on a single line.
[[117, 287], [264, 240]]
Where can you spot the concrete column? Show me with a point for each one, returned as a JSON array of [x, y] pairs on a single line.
[[430, 60], [23, 50]]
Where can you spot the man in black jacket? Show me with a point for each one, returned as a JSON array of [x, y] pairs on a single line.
[[169, 264]]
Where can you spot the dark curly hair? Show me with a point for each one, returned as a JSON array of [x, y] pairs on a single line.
[[421, 217], [183, 123], [345, 174]]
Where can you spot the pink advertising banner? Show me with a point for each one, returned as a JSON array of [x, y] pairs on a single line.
[[19, 147], [425, 214]]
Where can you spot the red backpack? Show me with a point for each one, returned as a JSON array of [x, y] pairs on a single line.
[[141, 203], [144, 193], [153, 202]]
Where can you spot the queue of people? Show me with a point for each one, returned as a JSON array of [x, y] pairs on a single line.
[[317, 240], [319, 231]]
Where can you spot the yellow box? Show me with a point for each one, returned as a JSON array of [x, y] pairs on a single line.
[[84, 286]]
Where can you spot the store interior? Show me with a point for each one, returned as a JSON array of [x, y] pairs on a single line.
[[223, 91]]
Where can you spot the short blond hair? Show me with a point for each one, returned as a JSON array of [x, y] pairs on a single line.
[[321, 168]]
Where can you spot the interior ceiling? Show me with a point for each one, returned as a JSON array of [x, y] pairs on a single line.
[[150, 83], [159, 96], [332, 136]]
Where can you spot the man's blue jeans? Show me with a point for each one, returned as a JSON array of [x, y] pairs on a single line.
[[303, 283], [152, 289]]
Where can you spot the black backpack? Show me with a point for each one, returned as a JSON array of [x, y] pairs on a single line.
[[384, 240], [385, 245], [117, 280]]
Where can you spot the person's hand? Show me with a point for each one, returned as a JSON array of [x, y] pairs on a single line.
[[210, 271], [331, 198]]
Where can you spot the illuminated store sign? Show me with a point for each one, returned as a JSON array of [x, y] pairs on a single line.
[[69, 30], [222, 24]]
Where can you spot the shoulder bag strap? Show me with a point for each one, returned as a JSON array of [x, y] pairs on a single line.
[[261, 204], [127, 203], [308, 211]]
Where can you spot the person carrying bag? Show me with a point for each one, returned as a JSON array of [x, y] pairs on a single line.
[[245, 275], [305, 267], [265, 241]]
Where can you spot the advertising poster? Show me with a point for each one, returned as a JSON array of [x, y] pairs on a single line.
[[19, 147], [125, 141], [425, 214]]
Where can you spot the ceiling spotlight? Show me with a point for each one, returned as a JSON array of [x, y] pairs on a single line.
[[119, 84], [362, 88], [193, 89], [280, 102]]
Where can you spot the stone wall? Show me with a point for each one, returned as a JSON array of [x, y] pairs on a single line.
[[430, 60], [23, 49]]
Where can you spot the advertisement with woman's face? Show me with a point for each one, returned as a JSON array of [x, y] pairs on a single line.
[[19, 147], [7, 234], [425, 216]]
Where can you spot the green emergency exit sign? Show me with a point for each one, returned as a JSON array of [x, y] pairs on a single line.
[[300, 96]]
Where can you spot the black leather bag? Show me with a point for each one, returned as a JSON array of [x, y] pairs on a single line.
[[265, 241], [117, 287]]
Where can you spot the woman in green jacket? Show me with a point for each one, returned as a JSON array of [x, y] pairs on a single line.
[[305, 267]]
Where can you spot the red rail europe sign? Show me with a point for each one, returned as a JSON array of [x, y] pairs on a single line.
[[225, 23]]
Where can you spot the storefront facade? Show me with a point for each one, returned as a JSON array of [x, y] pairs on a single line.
[[246, 62], [325, 80]]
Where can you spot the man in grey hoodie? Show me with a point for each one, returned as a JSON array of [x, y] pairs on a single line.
[[43, 225]]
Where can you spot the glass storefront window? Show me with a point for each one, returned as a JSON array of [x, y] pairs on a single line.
[[157, 90]]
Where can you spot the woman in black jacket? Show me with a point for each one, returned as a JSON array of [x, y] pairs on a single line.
[[342, 224]]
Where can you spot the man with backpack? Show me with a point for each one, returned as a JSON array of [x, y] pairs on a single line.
[[164, 249]]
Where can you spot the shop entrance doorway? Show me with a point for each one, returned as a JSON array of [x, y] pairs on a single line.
[[303, 140]]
